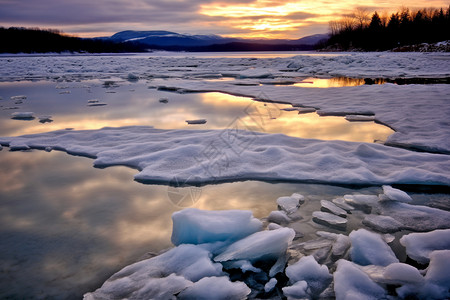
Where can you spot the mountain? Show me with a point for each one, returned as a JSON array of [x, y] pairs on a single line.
[[167, 40]]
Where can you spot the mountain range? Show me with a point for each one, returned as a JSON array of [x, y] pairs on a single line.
[[167, 40]]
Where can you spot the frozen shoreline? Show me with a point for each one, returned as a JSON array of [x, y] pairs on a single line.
[[418, 113]]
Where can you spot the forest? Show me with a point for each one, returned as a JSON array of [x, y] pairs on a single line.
[[359, 31], [36, 40]]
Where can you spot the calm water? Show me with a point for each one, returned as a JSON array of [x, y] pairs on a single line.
[[65, 227], [125, 103]]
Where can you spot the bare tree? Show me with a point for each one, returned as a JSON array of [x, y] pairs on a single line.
[[362, 17]]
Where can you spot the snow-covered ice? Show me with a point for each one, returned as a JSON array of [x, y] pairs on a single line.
[[390, 193], [210, 244], [330, 207], [25, 115], [220, 288], [307, 269], [350, 283], [289, 204], [368, 248], [196, 122], [194, 226], [419, 246], [328, 219], [417, 112], [268, 244], [159, 155]]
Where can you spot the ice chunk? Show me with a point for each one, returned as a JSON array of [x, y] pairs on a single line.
[[153, 288], [244, 265], [382, 223], [362, 202], [306, 110], [416, 217], [45, 119], [328, 219], [391, 193], [438, 270], [97, 104], [300, 198], [273, 226], [189, 261], [259, 246], [351, 283], [195, 122], [341, 246], [368, 248], [18, 97], [279, 265], [288, 204], [419, 246], [278, 217], [270, 285], [296, 291], [215, 288], [194, 226], [22, 115], [399, 273], [343, 204], [307, 269], [328, 206], [359, 118], [132, 77]]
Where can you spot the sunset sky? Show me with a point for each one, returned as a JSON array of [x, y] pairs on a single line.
[[238, 18]]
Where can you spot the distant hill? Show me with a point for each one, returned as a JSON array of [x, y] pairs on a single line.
[[35, 40], [167, 40]]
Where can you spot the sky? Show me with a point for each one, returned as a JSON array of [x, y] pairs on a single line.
[[234, 18]]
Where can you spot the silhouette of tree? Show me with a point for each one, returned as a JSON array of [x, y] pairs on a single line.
[[403, 28]]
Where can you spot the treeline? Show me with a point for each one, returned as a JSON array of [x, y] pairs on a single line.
[[35, 40], [384, 32]]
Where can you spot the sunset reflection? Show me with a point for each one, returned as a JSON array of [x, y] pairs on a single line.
[[142, 107], [101, 220], [272, 118], [336, 82]]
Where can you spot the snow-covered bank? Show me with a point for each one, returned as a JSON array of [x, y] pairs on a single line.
[[213, 260], [376, 65], [208, 156]]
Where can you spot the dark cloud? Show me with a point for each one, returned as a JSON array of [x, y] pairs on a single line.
[[300, 16], [109, 16]]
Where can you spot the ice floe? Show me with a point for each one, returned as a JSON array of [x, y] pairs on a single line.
[[401, 107], [368, 248], [162, 154], [390, 193], [328, 219], [350, 282], [227, 254], [419, 246], [22, 115], [196, 122], [194, 226], [330, 207]]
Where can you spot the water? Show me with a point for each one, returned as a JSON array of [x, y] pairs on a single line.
[[65, 227], [130, 103]]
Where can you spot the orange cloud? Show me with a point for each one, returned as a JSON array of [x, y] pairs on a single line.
[[290, 19]]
